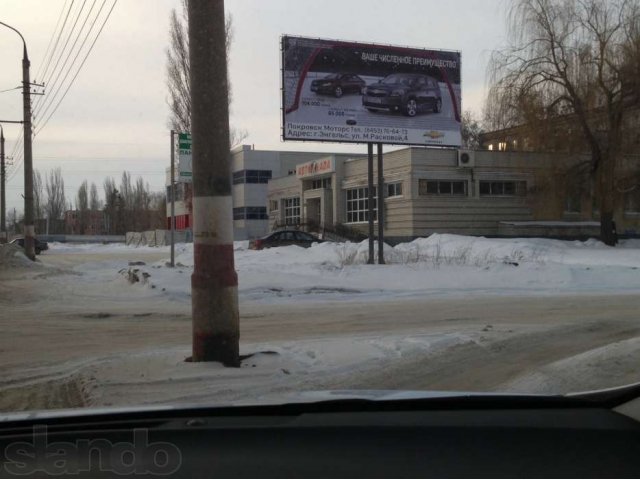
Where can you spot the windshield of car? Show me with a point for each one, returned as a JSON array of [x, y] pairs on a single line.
[[398, 80], [480, 235]]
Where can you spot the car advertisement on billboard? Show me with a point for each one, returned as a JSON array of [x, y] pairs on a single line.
[[339, 91]]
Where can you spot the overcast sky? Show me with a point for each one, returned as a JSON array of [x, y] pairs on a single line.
[[114, 117]]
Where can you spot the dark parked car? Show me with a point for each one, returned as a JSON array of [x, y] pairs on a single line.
[[337, 84], [283, 238], [39, 247], [409, 93]]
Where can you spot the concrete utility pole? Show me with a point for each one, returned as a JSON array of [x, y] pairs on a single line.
[[3, 185], [29, 221], [29, 230], [214, 283]]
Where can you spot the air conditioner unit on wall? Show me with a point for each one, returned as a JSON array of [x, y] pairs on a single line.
[[466, 159]]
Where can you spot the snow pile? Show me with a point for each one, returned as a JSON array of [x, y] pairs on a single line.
[[614, 363], [12, 257], [440, 265], [268, 370]]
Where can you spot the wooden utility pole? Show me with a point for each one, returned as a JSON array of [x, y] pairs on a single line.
[[214, 283]]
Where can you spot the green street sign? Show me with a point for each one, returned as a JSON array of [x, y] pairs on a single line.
[[184, 157], [184, 141]]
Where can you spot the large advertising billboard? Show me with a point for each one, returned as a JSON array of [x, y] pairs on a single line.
[[339, 91]]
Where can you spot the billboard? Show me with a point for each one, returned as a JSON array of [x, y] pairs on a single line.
[[339, 91]]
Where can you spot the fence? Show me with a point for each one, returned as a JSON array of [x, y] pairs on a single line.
[[157, 238]]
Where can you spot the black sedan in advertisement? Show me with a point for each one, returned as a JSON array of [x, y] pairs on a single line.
[[337, 84], [409, 93]]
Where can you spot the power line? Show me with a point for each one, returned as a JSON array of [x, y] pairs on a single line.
[[16, 154], [62, 52], [56, 86], [57, 39], [10, 89], [17, 163], [51, 40], [18, 144], [79, 68], [53, 84]]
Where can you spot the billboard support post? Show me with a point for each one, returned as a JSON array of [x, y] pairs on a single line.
[[173, 197], [370, 199], [380, 207]]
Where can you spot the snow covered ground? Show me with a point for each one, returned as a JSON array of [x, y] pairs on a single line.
[[447, 312], [437, 266]]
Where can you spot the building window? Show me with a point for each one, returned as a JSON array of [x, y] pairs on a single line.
[[321, 183], [180, 189], [442, 187], [292, 211], [251, 176], [273, 205], [503, 189], [632, 201], [358, 204], [572, 203], [250, 213], [394, 189]]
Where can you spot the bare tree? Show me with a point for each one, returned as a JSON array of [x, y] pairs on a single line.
[[82, 199], [577, 60], [56, 202], [82, 205], [111, 206], [158, 210], [470, 130], [94, 199], [12, 221], [178, 77], [38, 194]]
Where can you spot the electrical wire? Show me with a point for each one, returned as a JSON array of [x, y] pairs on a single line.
[[79, 68], [55, 88], [62, 52], [17, 162], [10, 89], [50, 41], [57, 40]]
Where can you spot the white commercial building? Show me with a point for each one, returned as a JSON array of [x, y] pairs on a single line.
[[251, 171]]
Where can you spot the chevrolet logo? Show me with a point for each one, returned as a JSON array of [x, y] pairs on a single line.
[[433, 134]]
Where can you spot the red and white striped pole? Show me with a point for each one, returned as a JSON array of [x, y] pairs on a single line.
[[214, 283]]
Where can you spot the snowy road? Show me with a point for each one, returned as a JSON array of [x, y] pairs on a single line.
[[74, 332]]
